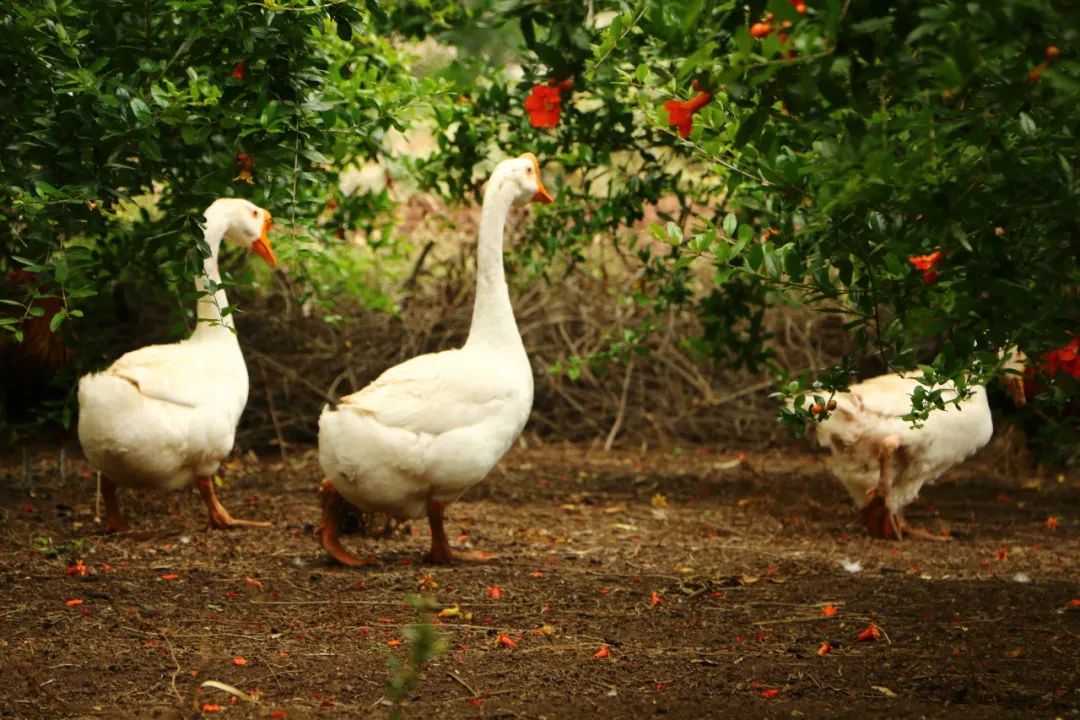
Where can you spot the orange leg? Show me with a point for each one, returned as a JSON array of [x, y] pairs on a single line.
[[329, 530], [219, 516], [440, 553], [114, 519], [879, 518]]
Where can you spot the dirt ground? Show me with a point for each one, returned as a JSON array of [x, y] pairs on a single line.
[[713, 584]]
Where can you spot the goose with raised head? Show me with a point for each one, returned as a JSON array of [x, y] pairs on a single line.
[[427, 430], [164, 416]]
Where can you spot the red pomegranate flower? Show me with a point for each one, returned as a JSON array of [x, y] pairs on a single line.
[[927, 263], [681, 112], [1065, 359], [544, 103], [239, 70]]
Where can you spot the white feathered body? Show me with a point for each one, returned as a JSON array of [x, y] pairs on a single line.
[[163, 414], [429, 428], [873, 410]]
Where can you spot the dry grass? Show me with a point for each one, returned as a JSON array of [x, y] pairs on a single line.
[[665, 397]]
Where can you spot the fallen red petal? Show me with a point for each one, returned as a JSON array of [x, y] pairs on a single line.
[[871, 633]]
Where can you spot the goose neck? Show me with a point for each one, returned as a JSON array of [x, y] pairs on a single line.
[[493, 316], [212, 301]]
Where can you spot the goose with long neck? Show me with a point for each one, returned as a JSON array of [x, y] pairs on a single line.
[[427, 430], [164, 416]]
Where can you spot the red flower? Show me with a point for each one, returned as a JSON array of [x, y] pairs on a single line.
[[927, 263], [681, 112], [799, 5], [1065, 359], [760, 30], [239, 71], [545, 103]]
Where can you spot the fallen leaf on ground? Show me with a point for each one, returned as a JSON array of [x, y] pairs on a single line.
[[545, 629], [1051, 523], [825, 649], [1074, 603], [428, 583], [1002, 554], [602, 653], [659, 501], [871, 633], [252, 582], [278, 714], [475, 701], [1014, 653], [494, 592], [536, 574], [73, 602], [239, 661], [77, 569], [393, 643], [170, 576], [211, 708], [450, 612], [506, 641], [883, 690], [654, 600], [770, 693], [828, 610]]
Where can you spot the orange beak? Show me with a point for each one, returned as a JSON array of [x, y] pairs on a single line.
[[542, 195], [261, 247]]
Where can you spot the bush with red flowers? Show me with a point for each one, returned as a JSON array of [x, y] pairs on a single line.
[[917, 182]]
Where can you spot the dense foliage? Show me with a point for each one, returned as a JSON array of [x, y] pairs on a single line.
[[910, 166], [120, 122]]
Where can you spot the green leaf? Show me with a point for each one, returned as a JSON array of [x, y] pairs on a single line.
[[731, 223], [58, 318], [141, 110], [1027, 124]]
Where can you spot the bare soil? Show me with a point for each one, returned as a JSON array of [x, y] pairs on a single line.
[[746, 560]]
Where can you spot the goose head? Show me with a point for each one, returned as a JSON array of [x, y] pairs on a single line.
[[520, 176], [245, 224], [1012, 374]]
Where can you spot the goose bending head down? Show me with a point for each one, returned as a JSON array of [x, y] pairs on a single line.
[[883, 460], [427, 430], [163, 416]]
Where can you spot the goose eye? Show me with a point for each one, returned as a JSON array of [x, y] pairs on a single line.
[[255, 214]]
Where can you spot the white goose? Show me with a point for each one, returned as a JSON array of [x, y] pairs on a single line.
[[427, 430], [165, 415], [883, 461]]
